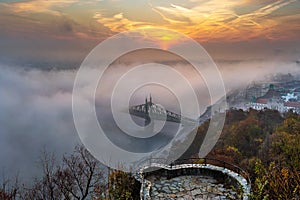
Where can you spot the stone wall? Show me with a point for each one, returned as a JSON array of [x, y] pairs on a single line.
[[154, 189]]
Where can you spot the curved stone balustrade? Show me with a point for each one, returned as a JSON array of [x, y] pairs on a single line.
[[146, 184]]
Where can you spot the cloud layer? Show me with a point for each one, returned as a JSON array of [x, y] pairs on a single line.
[[35, 113]]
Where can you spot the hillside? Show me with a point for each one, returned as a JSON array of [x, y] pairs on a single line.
[[266, 144]]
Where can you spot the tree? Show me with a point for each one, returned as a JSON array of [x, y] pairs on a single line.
[[275, 182], [123, 186], [79, 176], [246, 136], [285, 142], [229, 154], [259, 191], [9, 191]]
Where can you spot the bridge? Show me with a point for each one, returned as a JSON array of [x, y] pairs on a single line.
[[150, 110]]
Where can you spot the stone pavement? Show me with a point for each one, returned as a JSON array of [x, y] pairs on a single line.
[[189, 187]]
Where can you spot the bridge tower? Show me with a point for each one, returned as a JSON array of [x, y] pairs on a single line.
[[148, 105]]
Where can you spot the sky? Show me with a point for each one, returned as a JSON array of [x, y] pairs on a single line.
[[60, 31], [204, 20], [43, 42]]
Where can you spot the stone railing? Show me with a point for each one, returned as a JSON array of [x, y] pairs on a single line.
[[180, 167]]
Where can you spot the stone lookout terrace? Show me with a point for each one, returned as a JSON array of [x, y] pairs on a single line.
[[192, 179]]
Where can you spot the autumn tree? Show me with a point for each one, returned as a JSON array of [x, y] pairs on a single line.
[[275, 182], [123, 186]]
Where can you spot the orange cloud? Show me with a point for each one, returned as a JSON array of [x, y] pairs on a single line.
[[217, 20], [202, 20], [207, 20], [39, 6], [118, 23]]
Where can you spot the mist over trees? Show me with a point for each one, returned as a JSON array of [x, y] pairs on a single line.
[[265, 143], [79, 176]]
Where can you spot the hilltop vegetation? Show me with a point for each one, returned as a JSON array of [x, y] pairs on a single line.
[[265, 144]]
